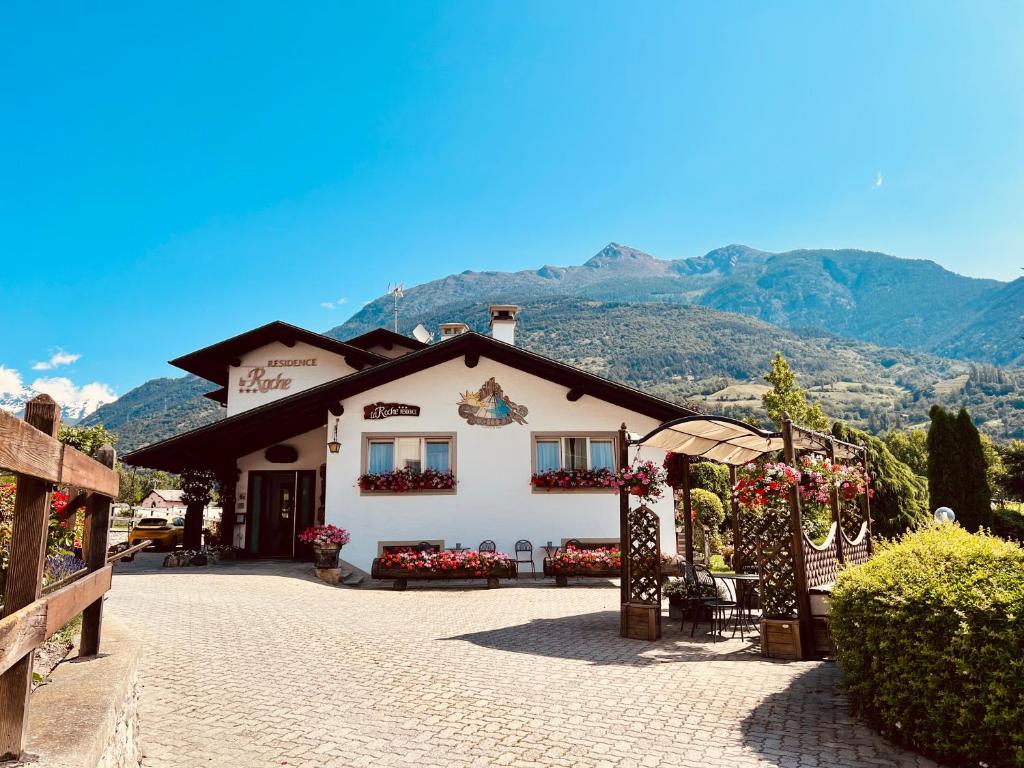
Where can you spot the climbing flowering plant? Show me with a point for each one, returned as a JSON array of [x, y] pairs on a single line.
[[760, 486], [818, 476], [401, 480], [466, 561], [598, 559], [325, 536]]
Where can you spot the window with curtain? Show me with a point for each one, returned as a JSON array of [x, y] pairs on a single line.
[[381, 457], [413, 453], [602, 455], [548, 458], [438, 455], [573, 452]]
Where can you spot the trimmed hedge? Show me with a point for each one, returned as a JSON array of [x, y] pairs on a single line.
[[930, 637]]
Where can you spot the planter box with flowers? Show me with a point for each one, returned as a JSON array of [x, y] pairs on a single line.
[[327, 541], [406, 566], [643, 479], [599, 563], [406, 481]]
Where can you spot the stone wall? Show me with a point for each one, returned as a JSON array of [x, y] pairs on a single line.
[[87, 716]]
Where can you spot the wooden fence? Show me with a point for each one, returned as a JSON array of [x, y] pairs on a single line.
[[30, 616]]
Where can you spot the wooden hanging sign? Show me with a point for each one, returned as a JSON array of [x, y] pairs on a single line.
[[378, 411]]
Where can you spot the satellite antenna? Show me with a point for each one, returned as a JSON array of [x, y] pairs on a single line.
[[422, 334], [396, 293]]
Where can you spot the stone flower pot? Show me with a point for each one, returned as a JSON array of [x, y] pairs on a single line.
[[326, 555]]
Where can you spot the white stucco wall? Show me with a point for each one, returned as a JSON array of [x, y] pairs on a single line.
[[328, 366], [312, 449], [494, 499]]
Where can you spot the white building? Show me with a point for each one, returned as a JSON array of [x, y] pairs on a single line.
[[479, 407]]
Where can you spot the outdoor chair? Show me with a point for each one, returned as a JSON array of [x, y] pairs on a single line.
[[712, 599], [524, 555], [574, 544], [693, 606], [424, 546], [487, 546]]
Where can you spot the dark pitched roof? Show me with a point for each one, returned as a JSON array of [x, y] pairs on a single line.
[[218, 395], [384, 338], [210, 446], [211, 363]]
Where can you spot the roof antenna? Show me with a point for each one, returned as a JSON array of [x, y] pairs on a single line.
[[396, 293]]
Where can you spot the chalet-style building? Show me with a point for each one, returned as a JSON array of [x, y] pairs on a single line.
[[308, 416], [163, 498]]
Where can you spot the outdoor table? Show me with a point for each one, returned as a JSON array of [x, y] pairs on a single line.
[[744, 590], [551, 550]]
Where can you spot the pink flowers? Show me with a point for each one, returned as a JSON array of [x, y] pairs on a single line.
[[401, 480], [475, 563], [766, 485], [599, 559], [643, 479], [325, 536]]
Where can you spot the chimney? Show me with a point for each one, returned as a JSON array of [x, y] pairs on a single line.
[[503, 322], [450, 330]]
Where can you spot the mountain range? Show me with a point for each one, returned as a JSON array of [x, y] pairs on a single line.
[[877, 338]]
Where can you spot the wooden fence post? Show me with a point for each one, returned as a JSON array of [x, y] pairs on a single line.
[[25, 578], [623, 520], [687, 510], [833, 501], [97, 522], [803, 598]]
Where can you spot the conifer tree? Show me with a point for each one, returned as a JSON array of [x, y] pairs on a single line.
[[786, 396]]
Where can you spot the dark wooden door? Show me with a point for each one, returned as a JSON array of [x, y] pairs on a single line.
[[272, 513]]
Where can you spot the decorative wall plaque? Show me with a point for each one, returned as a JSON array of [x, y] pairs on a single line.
[[489, 406], [377, 411]]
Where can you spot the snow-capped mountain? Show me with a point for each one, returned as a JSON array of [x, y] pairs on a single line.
[[76, 402]]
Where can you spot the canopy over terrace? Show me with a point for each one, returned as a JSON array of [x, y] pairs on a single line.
[[734, 443]]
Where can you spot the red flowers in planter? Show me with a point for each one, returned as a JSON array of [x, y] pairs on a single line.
[[643, 479], [599, 559], [475, 563], [325, 536], [401, 480]]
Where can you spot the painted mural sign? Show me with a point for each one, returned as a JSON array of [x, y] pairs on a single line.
[[377, 411], [489, 406], [256, 378]]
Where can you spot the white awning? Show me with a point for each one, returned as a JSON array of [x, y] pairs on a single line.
[[734, 442]]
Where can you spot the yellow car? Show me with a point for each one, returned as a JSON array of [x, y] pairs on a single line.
[[165, 533]]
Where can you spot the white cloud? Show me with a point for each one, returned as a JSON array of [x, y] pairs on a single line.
[[341, 301], [81, 400], [327, 304], [60, 357], [879, 179], [10, 382]]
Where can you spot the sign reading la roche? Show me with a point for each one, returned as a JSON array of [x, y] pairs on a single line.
[[377, 411], [257, 380]]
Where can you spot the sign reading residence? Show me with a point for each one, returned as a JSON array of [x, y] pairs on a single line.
[[256, 378], [377, 411]]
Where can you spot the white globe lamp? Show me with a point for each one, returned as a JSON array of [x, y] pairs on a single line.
[[944, 515]]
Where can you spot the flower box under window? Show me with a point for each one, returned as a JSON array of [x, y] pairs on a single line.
[[403, 463], [405, 480]]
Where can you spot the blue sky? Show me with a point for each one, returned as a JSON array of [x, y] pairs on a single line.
[[177, 173]]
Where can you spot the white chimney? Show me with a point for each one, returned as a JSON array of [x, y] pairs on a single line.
[[450, 330], [503, 322]]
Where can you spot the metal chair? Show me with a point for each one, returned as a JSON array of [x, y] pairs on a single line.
[[523, 547], [574, 544], [424, 546], [712, 599], [487, 546]]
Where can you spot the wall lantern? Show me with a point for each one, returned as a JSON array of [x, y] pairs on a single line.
[[333, 445]]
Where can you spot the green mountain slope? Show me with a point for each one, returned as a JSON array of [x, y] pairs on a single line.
[[862, 295]]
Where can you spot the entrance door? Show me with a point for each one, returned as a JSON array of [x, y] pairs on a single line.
[[281, 506], [271, 514]]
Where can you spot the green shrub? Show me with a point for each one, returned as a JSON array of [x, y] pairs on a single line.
[[707, 511], [930, 635], [1008, 523]]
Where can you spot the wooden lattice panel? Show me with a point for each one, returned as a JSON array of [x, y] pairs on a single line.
[[858, 550], [775, 564], [644, 557], [821, 563]]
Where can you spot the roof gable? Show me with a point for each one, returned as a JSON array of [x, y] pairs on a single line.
[[382, 337], [212, 362], [265, 425]]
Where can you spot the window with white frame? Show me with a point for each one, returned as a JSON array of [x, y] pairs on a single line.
[[573, 451], [386, 453]]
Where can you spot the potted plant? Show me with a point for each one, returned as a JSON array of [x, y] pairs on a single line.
[[677, 593], [327, 541]]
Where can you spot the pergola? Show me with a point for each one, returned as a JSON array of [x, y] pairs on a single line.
[[784, 555]]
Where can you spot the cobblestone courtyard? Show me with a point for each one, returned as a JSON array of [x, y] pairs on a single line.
[[255, 664]]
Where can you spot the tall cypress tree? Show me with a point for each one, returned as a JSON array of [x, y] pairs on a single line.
[[977, 496], [943, 469]]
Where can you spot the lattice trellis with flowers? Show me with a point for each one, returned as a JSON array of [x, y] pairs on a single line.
[[644, 556]]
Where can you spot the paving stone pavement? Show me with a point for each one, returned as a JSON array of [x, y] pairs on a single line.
[[259, 664]]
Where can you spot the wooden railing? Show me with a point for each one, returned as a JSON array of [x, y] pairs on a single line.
[[29, 617]]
